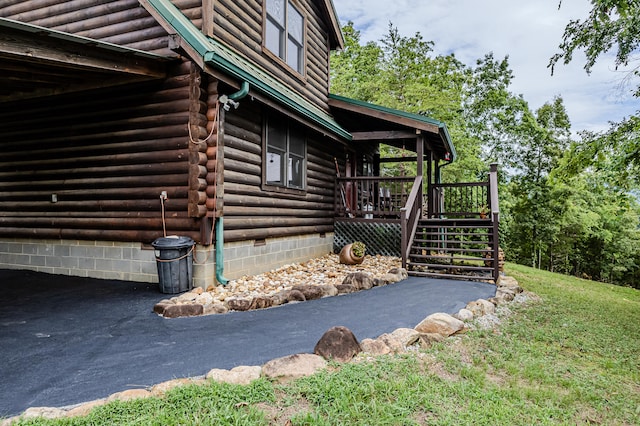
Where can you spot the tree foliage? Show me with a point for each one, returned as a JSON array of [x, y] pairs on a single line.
[[611, 24]]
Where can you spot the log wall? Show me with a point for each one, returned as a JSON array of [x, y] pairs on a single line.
[[238, 24], [93, 165], [252, 213], [122, 22]]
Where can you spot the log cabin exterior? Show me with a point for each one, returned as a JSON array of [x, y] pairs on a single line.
[[222, 105]]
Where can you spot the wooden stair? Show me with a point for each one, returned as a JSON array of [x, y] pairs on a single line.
[[455, 249]]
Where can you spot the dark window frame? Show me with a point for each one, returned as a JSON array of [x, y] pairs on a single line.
[[285, 37], [290, 129]]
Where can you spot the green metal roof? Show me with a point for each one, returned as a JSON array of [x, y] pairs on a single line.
[[218, 56], [418, 118]]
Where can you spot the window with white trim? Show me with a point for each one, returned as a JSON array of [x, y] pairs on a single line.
[[285, 154], [284, 32]]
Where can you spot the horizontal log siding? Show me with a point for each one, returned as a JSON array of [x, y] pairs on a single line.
[[252, 213], [107, 155], [238, 24], [122, 22]]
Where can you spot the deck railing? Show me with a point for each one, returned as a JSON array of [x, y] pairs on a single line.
[[465, 200], [372, 197], [410, 215]]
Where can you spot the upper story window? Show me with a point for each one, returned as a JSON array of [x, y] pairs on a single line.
[[284, 32], [285, 154]]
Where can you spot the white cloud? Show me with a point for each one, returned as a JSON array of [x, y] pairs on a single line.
[[528, 32]]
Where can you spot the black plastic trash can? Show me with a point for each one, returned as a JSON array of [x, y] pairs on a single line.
[[174, 258]]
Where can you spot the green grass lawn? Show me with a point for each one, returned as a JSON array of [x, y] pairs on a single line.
[[570, 357]]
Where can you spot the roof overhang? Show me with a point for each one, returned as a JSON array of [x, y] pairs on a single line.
[[375, 123], [37, 61], [208, 52]]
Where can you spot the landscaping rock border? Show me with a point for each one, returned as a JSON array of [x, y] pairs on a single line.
[[291, 283], [338, 345]]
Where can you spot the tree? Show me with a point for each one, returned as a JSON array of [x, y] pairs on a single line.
[[611, 24]]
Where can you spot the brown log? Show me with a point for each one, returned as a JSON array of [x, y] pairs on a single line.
[[263, 199], [251, 222], [175, 192], [243, 145], [240, 155], [256, 211], [150, 169], [257, 234], [239, 177], [197, 184], [197, 197], [13, 189], [242, 167], [97, 223], [197, 210], [117, 206]]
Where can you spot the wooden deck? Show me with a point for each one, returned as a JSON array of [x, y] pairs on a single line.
[[446, 230]]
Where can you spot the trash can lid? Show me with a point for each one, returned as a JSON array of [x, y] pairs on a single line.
[[172, 242]]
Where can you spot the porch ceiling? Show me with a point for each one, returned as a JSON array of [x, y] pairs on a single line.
[[373, 123], [37, 61]]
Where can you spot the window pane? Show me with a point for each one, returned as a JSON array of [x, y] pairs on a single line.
[[296, 171], [296, 141], [276, 135], [295, 24], [275, 167], [275, 8], [275, 39], [294, 56]]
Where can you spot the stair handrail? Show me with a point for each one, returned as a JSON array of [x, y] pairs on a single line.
[[410, 214]]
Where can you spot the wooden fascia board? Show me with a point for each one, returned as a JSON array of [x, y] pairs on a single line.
[[334, 23], [25, 43], [382, 115], [383, 135]]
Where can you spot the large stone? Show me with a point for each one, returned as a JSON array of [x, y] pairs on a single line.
[[296, 296], [360, 280], [164, 387], [346, 288], [293, 366], [129, 395], [312, 292], [464, 314], [427, 339], [261, 302], [175, 311], [375, 347], [440, 323], [85, 408], [402, 273], [45, 412], [241, 375], [338, 344], [406, 336], [160, 307], [481, 307], [215, 308], [392, 342], [238, 303], [280, 298], [204, 298]]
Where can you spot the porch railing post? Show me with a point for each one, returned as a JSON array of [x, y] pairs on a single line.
[[493, 188], [404, 237], [495, 216]]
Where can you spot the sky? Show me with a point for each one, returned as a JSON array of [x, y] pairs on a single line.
[[529, 32]]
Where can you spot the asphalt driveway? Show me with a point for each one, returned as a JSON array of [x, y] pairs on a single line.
[[66, 340]]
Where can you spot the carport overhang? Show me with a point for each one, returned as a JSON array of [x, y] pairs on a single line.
[[37, 61]]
